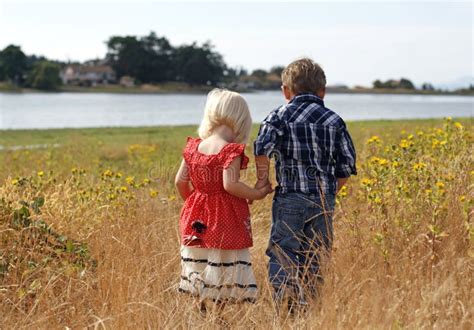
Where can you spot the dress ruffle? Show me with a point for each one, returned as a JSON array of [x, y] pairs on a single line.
[[219, 275]]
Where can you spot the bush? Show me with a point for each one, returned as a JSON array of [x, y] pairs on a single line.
[[45, 75]]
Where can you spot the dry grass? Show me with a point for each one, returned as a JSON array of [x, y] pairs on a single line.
[[402, 257]]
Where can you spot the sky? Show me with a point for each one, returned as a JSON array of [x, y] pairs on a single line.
[[355, 42]]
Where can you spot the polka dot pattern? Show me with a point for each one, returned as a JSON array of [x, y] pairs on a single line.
[[225, 218]]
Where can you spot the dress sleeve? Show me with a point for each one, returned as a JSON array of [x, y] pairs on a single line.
[[232, 152], [189, 149]]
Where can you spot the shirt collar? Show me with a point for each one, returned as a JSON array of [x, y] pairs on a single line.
[[307, 97]]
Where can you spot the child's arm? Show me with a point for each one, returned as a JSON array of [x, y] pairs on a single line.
[[182, 182], [340, 183], [345, 158], [239, 189], [263, 169]]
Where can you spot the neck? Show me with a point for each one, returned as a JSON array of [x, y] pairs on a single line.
[[225, 133]]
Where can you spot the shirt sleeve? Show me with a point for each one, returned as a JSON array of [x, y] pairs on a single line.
[[345, 155], [268, 135]]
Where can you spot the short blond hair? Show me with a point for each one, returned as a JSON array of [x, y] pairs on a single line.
[[224, 107], [304, 76]]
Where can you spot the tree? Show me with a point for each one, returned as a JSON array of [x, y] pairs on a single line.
[[198, 64], [405, 83], [44, 75], [277, 70], [378, 84], [427, 87], [259, 73], [147, 59], [13, 64]]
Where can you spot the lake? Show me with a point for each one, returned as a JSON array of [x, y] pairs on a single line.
[[60, 110]]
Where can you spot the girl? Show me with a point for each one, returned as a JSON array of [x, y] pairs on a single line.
[[215, 219]]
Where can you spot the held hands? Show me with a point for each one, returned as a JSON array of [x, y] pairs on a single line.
[[264, 187]]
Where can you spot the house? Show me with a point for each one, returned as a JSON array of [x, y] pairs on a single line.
[[127, 81], [91, 73]]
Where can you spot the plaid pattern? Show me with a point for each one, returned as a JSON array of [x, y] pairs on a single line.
[[310, 144]]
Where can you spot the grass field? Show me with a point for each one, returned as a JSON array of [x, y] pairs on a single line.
[[89, 232]]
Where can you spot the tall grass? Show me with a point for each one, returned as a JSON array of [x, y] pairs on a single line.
[[102, 249]]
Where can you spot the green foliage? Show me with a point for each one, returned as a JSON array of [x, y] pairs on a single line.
[[259, 73], [151, 59], [13, 64], [403, 83], [277, 70], [427, 87], [198, 64], [44, 75], [147, 59], [407, 84]]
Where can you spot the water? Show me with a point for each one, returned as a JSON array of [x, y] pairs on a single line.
[[59, 110]]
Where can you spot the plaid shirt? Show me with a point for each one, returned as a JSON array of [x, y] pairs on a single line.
[[310, 144]]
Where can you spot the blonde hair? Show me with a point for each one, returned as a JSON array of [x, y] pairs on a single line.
[[304, 76], [228, 108]]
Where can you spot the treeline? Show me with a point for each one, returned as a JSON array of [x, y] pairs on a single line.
[[28, 71], [403, 83], [147, 59], [152, 59]]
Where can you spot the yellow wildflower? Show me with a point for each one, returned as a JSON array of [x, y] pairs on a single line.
[[405, 144], [462, 198], [440, 185], [458, 125], [123, 189], [343, 192], [449, 118], [15, 182], [108, 173], [171, 197], [153, 193], [118, 175], [74, 170], [374, 140], [367, 182], [130, 180], [383, 162], [40, 174], [419, 166], [395, 164]]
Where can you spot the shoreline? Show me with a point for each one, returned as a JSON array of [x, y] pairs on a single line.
[[180, 126], [197, 90]]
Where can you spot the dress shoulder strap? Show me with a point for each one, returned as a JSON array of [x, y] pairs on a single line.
[[231, 152]]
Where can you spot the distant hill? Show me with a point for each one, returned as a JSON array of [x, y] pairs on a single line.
[[461, 82]]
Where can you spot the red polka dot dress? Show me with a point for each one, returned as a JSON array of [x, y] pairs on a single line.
[[215, 230]]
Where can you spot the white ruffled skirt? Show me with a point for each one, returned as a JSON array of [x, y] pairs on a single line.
[[219, 275]]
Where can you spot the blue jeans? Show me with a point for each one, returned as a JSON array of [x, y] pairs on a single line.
[[301, 235]]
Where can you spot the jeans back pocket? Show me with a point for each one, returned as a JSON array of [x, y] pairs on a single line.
[[290, 220]]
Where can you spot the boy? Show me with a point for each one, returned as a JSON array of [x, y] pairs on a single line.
[[314, 157]]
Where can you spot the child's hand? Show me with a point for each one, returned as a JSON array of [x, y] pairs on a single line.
[[264, 188]]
